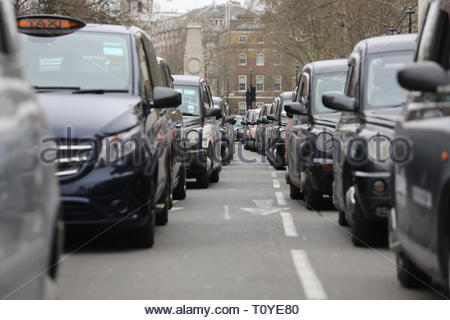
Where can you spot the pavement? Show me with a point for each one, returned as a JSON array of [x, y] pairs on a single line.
[[243, 238]]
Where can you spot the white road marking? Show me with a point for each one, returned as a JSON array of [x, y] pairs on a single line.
[[176, 208], [288, 224], [280, 199], [227, 213], [311, 283], [274, 174], [276, 184]]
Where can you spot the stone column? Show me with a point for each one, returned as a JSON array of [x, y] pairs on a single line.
[[193, 57]]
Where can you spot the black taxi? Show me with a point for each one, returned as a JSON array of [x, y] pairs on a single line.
[[100, 87], [310, 140], [371, 103], [203, 143], [420, 233]]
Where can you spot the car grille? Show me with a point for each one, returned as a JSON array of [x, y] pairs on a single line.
[[73, 157]]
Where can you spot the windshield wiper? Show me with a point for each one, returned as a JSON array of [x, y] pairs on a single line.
[[189, 114], [97, 91], [55, 88]]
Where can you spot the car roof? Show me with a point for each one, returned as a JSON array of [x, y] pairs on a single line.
[[327, 66], [388, 43], [187, 80]]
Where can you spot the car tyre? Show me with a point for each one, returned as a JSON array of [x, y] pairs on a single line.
[[342, 219], [313, 199], [295, 192], [362, 230], [215, 177], [408, 274], [179, 193]]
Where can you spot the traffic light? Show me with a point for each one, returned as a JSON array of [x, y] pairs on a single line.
[[253, 94], [248, 99]]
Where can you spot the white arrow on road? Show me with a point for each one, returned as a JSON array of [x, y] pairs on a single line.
[[264, 208]]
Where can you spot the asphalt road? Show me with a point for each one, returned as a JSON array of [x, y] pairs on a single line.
[[242, 238]]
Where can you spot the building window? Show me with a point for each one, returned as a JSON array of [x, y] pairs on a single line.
[[243, 39], [140, 7], [259, 105], [242, 108], [277, 83], [242, 59], [243, 83], [260, 39], [260, 59], [259, 83], [276, 59]]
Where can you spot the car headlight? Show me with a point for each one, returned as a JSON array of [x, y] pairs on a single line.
[[193, 137], [283, 135], [379, 148], [117, 147], [325, 142]]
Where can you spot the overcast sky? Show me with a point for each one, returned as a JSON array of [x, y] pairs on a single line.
[[185, 5]]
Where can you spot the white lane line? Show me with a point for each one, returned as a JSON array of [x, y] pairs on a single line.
[[280, 199], [274, 174], [276, 184], [288, 224], [227, 213], [311, 284]]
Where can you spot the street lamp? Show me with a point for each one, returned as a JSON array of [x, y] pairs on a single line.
[[392, 29], [251, 77], [297, 70], [410, 13]]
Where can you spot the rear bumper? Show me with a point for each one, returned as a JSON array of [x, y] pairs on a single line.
[[321, 175]]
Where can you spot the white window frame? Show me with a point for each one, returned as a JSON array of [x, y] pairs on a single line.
[[259, 63], [243, 77], [281, 83], [243, 39], [243, 56], [259, 83], [279, 59], [242, 106]]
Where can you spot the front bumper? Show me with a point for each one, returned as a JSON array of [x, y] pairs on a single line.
[[105, 197], [320, 172], [375, 206]]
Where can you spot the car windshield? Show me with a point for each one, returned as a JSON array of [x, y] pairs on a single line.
[[382, 89], [324, 83], [83, 60], [190, 105]]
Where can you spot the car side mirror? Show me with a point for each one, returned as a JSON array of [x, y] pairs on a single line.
[[231, 120], [244, 123], [425, 77], [289, 115], [213, 112], [272, 117], [165, 98], [296, 108], [339, 102]]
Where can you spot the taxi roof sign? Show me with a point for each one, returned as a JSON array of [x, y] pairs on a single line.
[[48, 25]]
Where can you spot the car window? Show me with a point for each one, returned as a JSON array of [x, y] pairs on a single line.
[[350, 86], [82, 59], [155, 73], [190, 98], [382, 88], [324, 83]]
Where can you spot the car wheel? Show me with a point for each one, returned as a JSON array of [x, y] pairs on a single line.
[[342, 219], [179, 193], [295, 192], [313, 199], [408, 274], [362, 231], [215, 177], [162, 217], [203, 180]]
